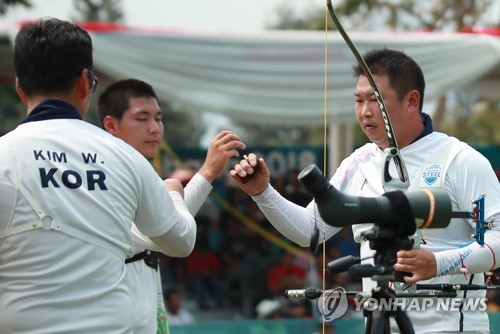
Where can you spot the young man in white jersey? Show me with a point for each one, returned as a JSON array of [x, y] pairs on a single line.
[[129, 110], [69, 192], [449, 255]]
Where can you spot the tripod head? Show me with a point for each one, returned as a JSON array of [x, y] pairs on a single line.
[[386, 245]]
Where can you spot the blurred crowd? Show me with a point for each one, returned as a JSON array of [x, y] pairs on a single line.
[[234, 266]]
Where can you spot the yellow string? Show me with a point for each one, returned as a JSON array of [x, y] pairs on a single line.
[[325, 135]]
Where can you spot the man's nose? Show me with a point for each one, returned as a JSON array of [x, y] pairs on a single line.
[[154, 127], [367, 109]]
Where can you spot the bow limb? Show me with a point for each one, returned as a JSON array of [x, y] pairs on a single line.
[[392, 152]]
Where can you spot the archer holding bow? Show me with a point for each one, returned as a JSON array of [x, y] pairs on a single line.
[[433, 160]]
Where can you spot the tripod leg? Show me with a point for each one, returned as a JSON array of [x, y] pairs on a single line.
[[403, 321], [380, 323], [368, 325]]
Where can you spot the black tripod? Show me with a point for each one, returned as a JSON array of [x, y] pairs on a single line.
[[378, 320], [386, 243]]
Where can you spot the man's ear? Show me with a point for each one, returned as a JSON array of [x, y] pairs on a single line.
[[82, 85], [414, 101], [110, 124], [21, 93]]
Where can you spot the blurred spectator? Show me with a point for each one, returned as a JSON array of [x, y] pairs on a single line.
[[297, 309], [236, 244], [203, 270], [176, 314], [295, 191], [258, 259], [173, 272], [493, 301], [345, 243], [269, 309], [493, 296], [285, 275], [315, 275], [278, 183]]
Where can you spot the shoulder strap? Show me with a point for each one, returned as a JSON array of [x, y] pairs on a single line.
[[39, 212], [433, 171]]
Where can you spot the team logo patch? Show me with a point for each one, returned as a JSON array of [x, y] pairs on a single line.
[[431, 175]]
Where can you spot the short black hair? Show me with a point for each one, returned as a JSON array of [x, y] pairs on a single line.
[[403, 71], [50, 54], [115, 98]]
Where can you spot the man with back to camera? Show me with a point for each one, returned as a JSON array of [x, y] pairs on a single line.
[[68, 194], [129, 110], [449, 255]]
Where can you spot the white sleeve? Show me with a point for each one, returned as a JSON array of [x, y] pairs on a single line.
[[180, 239], [196, 192], [163, 216], [293, 221], [155, 213], [141, 241], [479, 179], [474, 257]]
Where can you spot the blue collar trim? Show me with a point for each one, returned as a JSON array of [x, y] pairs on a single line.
[[52, 109], [426, 119]]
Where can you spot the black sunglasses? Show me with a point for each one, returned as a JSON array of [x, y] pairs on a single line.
[[95, 80]]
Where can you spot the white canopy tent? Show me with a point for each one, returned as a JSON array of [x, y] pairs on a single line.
[[277, 77]]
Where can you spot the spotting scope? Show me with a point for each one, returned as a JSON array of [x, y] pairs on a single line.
[[428, 208]]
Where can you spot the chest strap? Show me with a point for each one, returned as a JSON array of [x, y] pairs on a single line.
[[42, 216], [46, 222]]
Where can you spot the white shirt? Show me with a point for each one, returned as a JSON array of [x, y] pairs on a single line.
[[144, 282], [469, 175], [68, 276]]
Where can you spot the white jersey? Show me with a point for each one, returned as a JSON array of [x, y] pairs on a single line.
[[143, 281], [468, 176], [68, 194]]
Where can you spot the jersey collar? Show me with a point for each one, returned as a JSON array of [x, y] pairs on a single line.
[[52, 109], [426, 119]]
